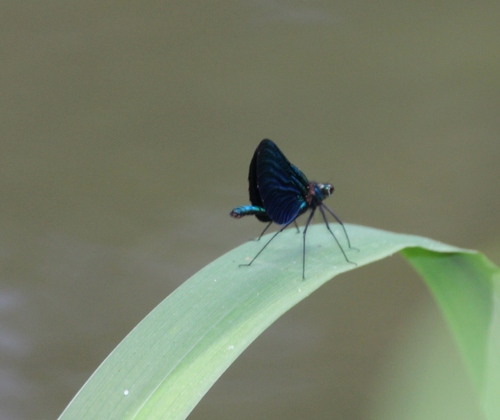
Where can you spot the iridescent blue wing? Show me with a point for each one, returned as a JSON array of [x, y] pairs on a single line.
[[281, 187], [253, 188]]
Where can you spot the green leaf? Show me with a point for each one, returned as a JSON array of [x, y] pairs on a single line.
[[466, 288], [170, 360]]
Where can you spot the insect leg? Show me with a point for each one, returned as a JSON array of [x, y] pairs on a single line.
[[264, 231], [338, 220], [304, 243], [266, 244], [334, 237]]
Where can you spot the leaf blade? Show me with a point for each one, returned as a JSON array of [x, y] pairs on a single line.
[[470, 305], [170, 360]]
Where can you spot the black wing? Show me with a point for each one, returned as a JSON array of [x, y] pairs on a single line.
[[279, 187], [253, 186]]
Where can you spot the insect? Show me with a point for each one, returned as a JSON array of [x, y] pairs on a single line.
[[280, 193]]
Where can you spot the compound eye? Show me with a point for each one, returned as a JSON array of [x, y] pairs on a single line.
[[326, 189]]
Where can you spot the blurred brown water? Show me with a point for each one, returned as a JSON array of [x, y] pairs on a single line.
[[126, 134]]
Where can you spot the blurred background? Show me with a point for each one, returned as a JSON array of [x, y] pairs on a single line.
[[126, 134]]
